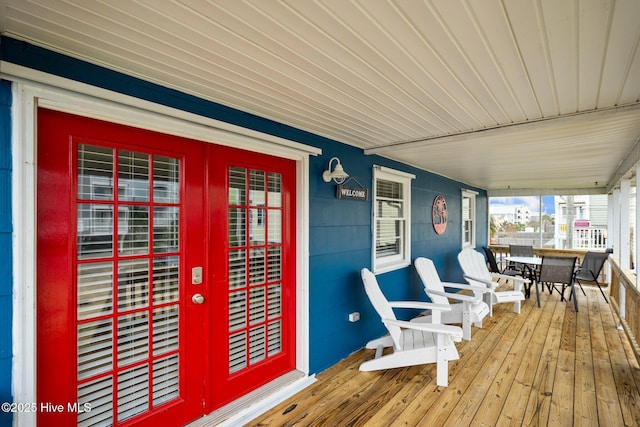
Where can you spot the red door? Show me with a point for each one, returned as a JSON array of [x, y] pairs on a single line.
[[252, 261], [132, 226]]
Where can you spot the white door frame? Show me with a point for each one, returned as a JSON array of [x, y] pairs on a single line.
[[31, 89]]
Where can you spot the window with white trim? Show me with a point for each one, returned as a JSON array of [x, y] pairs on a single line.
[[391, 219], [468, 219]]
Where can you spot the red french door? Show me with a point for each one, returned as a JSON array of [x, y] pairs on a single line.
[[253, 268], [161, 293]]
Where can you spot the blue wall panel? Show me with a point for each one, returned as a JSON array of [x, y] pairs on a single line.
[[340, 230], [6, 229]]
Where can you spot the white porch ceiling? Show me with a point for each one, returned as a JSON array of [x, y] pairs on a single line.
[[507, 95]]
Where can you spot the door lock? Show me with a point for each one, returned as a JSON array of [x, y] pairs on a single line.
[[197, 299], [196, 275]]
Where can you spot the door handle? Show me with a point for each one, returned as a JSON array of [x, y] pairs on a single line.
[[197, 299]]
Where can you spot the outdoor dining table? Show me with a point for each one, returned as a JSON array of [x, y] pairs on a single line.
[[534, 263]]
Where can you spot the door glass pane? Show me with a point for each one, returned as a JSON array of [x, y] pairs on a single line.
[[275, 338], [237, 310], [275, 301], [257, 268], [257, 188], [237, 227], [165, 279], [165, 229], [275, 226], [133, 392], [133, 338], [237, 186], [257, 305], [95, 348], [133, 176], [165, 329], [237, 269], [257, 341], [133, 284], [99, 393], [166, 173], [275, 190], [95, 287], [275, 263], [95, 173], [165, 380], [95, 230], [133, 230], [237, 352], [257, 226]]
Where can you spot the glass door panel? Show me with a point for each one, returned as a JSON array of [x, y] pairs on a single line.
[[128, 314], [255, 248]]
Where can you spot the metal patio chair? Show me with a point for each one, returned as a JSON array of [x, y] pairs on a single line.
[[590, 269], [559, 270]]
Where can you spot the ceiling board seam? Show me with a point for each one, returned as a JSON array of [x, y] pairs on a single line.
[[628, 67], [523, 64], [542, 25], [605, 52]]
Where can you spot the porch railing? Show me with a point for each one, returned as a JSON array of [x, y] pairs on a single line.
[[590, 238], [625, 297]]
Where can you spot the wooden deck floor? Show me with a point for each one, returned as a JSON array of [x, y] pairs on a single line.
[[548, 366]]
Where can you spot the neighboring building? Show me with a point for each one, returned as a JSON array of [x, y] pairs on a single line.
[[581, 222], [522, 215]]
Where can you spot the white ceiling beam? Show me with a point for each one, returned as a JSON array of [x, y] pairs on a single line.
[[502, 130]]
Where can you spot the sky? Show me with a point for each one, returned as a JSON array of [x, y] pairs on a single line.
[[531, 202]]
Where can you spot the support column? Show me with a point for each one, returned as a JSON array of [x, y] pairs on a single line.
[[636, 249], [614, 235], [625, 224]]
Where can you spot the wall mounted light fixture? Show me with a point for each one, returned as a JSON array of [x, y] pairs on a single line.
[[338, 175]]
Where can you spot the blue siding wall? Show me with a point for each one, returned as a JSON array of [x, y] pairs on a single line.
[[340, 230], [6, 229], [341, 242]]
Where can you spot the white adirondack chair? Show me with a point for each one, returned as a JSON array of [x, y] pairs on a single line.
[[477, 273], [469, 308], [413, 343]]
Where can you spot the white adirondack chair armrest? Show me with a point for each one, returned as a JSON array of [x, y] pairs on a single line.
[[419, 305], [463, 286], [458, 297], [487, 282], [454, 331], [514, 278]]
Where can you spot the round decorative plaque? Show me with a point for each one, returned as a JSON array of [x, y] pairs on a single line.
[[439, 214]]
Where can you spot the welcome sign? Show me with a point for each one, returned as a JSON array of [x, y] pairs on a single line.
[[354, 193]]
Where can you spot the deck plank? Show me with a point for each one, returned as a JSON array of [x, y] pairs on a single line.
[[585, 407], [545, 366]]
